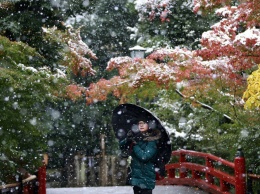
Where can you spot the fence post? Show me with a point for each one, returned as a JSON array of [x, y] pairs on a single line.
[[240, 173], [249, 182], [42, 175], [20, 188], [209, 164], [183, 171], [42, 179]]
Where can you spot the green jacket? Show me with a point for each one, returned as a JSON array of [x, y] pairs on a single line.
[[143, 155]]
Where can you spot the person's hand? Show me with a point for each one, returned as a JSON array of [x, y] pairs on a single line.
[[138, 136], [130, 137]]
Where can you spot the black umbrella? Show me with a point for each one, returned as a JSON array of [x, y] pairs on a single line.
[[126, 116]]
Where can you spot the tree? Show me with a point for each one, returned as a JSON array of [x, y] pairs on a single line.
[[251, 95], [24, 92], [23, 20], [169, 24], [104, 29], [213, 75], [27, 85]]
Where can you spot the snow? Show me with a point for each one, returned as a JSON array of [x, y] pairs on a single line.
[[225, 11], [124, 190], [249, 34], [213, 64], [44, 71]]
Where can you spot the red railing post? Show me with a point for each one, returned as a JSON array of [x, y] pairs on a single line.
[[171, 173], [209, 164], [42, 175], [224, 186], [42, 179], [195, 174], [240, 173], [183, 171]]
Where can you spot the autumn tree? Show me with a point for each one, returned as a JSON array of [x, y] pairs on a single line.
[[213, 77], [169, 24], [29, 81]]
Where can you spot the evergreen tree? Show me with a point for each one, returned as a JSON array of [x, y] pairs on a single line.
[[23, 21], [34, 60], [104, 29], [24, 91]]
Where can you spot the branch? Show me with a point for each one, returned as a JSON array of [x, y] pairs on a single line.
[[204, 105]]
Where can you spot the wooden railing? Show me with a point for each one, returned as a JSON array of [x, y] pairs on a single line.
[[252, 180], [34, 184], [22, 185], [214, 175]]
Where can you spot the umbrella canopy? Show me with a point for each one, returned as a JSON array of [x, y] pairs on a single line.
[[126, 116]]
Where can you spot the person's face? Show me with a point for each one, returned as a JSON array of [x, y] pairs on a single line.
[[143, 126]]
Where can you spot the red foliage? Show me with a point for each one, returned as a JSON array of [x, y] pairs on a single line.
[[209, 5], [226, 40], [74, 92], [227, 51], [98, 91]]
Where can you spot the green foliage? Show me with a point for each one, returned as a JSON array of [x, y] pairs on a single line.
[[24, 92], [23, 21], [210, 131], [12, 53]]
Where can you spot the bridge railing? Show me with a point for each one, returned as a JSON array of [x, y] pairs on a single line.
[[253, 180], [206, 171], [33, 184]]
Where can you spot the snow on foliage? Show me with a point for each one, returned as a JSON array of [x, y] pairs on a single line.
[[75, 50], [44, 71], [120, 64], [202, 5], [228, 49], [235, 38], [249, 40], [77, 57], [150, 9], [138, 71], [79, 50], [175, 54]]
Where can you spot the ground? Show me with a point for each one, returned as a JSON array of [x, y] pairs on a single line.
[[124, 190]]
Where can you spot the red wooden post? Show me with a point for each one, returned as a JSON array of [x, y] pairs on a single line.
[[42, 179], [183, 171], [195, 174], [240, 173], [171, 173], [209, 177], [26, 189], [31, 189], [224, 186], [42, 175]]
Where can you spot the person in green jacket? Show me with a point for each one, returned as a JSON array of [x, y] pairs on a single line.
[[142, 148]]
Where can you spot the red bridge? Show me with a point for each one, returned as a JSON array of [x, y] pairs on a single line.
[[210, 173], [206, 171]]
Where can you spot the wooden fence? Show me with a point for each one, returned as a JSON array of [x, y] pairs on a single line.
[[34, 184], [253, 181], [82, 170], [97, 171]]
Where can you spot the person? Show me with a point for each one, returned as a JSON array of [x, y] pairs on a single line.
[[142, 148]]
